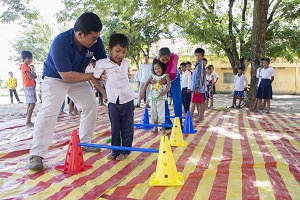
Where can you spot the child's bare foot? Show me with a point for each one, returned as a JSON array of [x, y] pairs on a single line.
[[29, 124]]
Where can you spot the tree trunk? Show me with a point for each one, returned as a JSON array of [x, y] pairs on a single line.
[[235, 61], [258, 38]]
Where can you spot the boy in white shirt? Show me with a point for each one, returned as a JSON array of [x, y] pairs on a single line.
[[240, 82], [120, 95], [186, 79]]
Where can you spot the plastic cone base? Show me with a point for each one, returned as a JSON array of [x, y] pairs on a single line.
[[145, 120], [166, 172], [188, 124], [176, 139], [74, 162]]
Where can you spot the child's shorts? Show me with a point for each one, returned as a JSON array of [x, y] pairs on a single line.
[[240, 93], [198, 98], [30, 94]]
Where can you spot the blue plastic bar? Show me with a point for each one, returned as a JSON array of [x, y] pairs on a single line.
[[118, 147], [153, 125], [174, 117]]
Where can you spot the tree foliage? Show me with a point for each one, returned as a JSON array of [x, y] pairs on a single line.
[[227, 27], [129, 17], [224, 26], [16, 10], [37, 38]]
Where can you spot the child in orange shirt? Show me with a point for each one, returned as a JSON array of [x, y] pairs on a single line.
[[28, 84]]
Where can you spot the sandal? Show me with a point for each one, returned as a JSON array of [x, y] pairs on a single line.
[[121, 157], [110, 157]]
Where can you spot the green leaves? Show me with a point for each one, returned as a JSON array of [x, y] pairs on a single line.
[[15, 10], [36, 38]]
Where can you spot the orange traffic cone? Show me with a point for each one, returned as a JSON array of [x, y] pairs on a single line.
[[166, 172], [74, 162], [176, 138]]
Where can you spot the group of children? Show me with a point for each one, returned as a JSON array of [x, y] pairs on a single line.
[[203, 75], [197, 88]]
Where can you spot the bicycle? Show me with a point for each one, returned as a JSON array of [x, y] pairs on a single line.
[[244, 97]]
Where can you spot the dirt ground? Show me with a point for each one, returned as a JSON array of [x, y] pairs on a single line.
[[280, 103]]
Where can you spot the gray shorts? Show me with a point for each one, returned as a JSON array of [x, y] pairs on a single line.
[[30, 94]]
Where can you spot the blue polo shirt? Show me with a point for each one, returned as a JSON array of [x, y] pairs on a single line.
[[64, 55]]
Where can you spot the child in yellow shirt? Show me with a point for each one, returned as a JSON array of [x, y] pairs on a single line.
[[12, 85]]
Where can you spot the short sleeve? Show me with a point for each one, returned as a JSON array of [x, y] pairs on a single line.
[[99, 69], [24, 68], [272, 72]]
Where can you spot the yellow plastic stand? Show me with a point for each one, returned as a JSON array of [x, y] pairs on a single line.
[[176, 138], [166, 172]]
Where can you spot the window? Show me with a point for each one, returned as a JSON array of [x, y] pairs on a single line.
[[228, 78]]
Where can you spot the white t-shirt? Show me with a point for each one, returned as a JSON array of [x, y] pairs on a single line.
[[267, 73], [240, 82], [215, 76]]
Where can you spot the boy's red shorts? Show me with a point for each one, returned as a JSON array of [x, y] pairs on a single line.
[[198, 98]]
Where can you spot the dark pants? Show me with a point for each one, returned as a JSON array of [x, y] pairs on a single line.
[[186, 99], [121, 120], [11, 92]]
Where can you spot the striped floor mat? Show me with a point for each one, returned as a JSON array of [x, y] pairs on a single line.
[[235, 154]]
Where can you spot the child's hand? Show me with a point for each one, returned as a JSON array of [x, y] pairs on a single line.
[[152, 81], [162, 94], [103, 77]]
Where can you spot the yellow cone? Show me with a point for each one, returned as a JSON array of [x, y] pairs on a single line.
[[176, 139], [166, 172]]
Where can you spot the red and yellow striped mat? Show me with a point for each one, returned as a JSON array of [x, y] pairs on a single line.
[[235, 154]]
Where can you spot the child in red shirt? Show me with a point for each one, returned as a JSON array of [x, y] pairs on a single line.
[[28, 84]]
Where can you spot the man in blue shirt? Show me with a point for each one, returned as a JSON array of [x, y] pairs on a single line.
[[64, 74]]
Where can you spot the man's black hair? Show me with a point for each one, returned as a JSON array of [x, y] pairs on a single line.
[[88, 22], [118, 38]]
